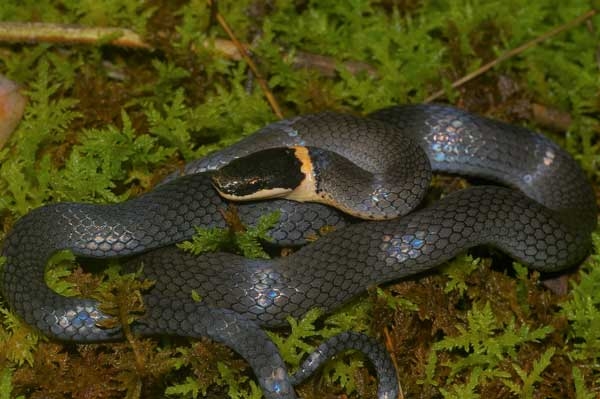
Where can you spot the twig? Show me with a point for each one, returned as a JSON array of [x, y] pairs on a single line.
[[20, 32], [390, 348], [246, 56], [514, 52], [39, 32], [326, 65]]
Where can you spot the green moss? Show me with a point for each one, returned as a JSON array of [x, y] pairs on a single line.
[[245, 241], [6, 385], [487, 343], [457, 271], [103, 125], [582, 309]]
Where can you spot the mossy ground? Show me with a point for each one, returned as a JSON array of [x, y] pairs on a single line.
[[104, 124]]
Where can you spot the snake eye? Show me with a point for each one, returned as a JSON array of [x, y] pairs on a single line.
[[268, 173]]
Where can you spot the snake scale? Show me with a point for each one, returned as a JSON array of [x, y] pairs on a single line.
[[542, 215]]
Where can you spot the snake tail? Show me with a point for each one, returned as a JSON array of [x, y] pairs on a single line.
[[378, 356]]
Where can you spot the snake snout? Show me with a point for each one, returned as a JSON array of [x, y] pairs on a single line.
[[265, 174]]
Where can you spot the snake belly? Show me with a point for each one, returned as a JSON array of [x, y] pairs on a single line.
[[544, 219]]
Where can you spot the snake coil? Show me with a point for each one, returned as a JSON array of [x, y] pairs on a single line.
[[544, 219]]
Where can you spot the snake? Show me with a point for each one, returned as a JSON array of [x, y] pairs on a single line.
[[540, 210]]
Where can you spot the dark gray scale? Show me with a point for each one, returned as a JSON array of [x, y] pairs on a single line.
[[299, 223], [377, 355], [463, 143], [545, 221], [360, 140], [165, 215], [340, 265], [361, 193]]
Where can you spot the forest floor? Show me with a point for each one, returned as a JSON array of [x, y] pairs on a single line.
[[110, 113]]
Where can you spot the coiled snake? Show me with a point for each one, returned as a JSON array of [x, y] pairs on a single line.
[[543, 218]]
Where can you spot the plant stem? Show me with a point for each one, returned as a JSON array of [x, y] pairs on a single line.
[[514, 52], [60, 33], [246, 56]]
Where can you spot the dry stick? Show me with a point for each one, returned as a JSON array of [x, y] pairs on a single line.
[[244, 52], [514, 52], [390, 348], [57, 33], [40, 32], [326, 65]]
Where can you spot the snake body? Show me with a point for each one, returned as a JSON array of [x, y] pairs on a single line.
[[544, 219]]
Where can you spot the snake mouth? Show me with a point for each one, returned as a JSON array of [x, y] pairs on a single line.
[[271, 173]]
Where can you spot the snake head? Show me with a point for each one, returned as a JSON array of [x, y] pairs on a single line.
[[270, 173]]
